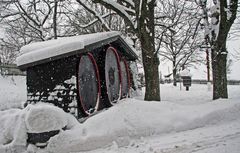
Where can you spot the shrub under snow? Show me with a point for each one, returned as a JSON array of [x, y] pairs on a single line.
[[43, 118], [16, 123]]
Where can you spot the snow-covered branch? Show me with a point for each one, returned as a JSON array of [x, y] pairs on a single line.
[[121, 10], [96, 20], [98, 16]]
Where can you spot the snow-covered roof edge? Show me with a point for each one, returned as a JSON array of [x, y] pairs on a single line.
[[41, 52], [185, 72]]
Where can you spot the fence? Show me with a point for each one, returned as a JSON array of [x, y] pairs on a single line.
[[201, 81], [10, 69], [230, 82]]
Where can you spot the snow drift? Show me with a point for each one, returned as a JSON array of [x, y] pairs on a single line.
[[13, 91], [43, 118], [13, 133], [134, 119], [129, 119], [16, 123]]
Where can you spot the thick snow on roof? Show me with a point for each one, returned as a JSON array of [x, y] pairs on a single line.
[[185, 72], [47, 49]]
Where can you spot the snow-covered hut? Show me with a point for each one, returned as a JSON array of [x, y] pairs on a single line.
[[81, 74], [186, 77]]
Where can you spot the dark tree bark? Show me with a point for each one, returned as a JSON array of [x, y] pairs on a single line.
[[146, 32], [219, 74], [219, 51], [55, 19], [174, 72], [174, 77]]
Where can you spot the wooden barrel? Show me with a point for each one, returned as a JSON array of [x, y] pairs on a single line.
[[112, 75], [125, 79], [88, 84]]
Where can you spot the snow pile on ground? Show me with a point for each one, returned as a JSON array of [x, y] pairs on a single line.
[[130, 119], [13, 91], [219, 138], [134, 119], [13, 133], [16, 123], [44, 117]]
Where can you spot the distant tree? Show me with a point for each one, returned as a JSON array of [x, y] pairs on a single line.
[[237, 56], [14, 37], [92, 18], [27, 21], [178, 39], [24, 22], [7, 53], [229, 64]]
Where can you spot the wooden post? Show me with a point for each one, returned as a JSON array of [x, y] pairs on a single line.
[[208, 65]]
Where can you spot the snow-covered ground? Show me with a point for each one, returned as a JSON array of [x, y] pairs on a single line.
[[183, 122], [13, 91], [223, 138]]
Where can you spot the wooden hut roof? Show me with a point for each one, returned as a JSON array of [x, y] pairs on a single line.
[[42, 52]]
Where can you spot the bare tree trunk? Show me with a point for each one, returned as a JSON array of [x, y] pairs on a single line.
[[55, 19], [150, 63], [219, 51], [149, 55], [219, 71], [174, 73], [208, 65], [174, 77]]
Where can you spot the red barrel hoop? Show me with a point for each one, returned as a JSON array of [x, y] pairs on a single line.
[[113, 76], [125, 78], [88, 84]]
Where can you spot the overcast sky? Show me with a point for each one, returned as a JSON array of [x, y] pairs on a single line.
[[233, 46]]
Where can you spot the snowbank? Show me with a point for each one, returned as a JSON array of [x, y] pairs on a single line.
[[43, 118], [130, 119], [134, 119], [13, 133], [12, 91], [16, 123]]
